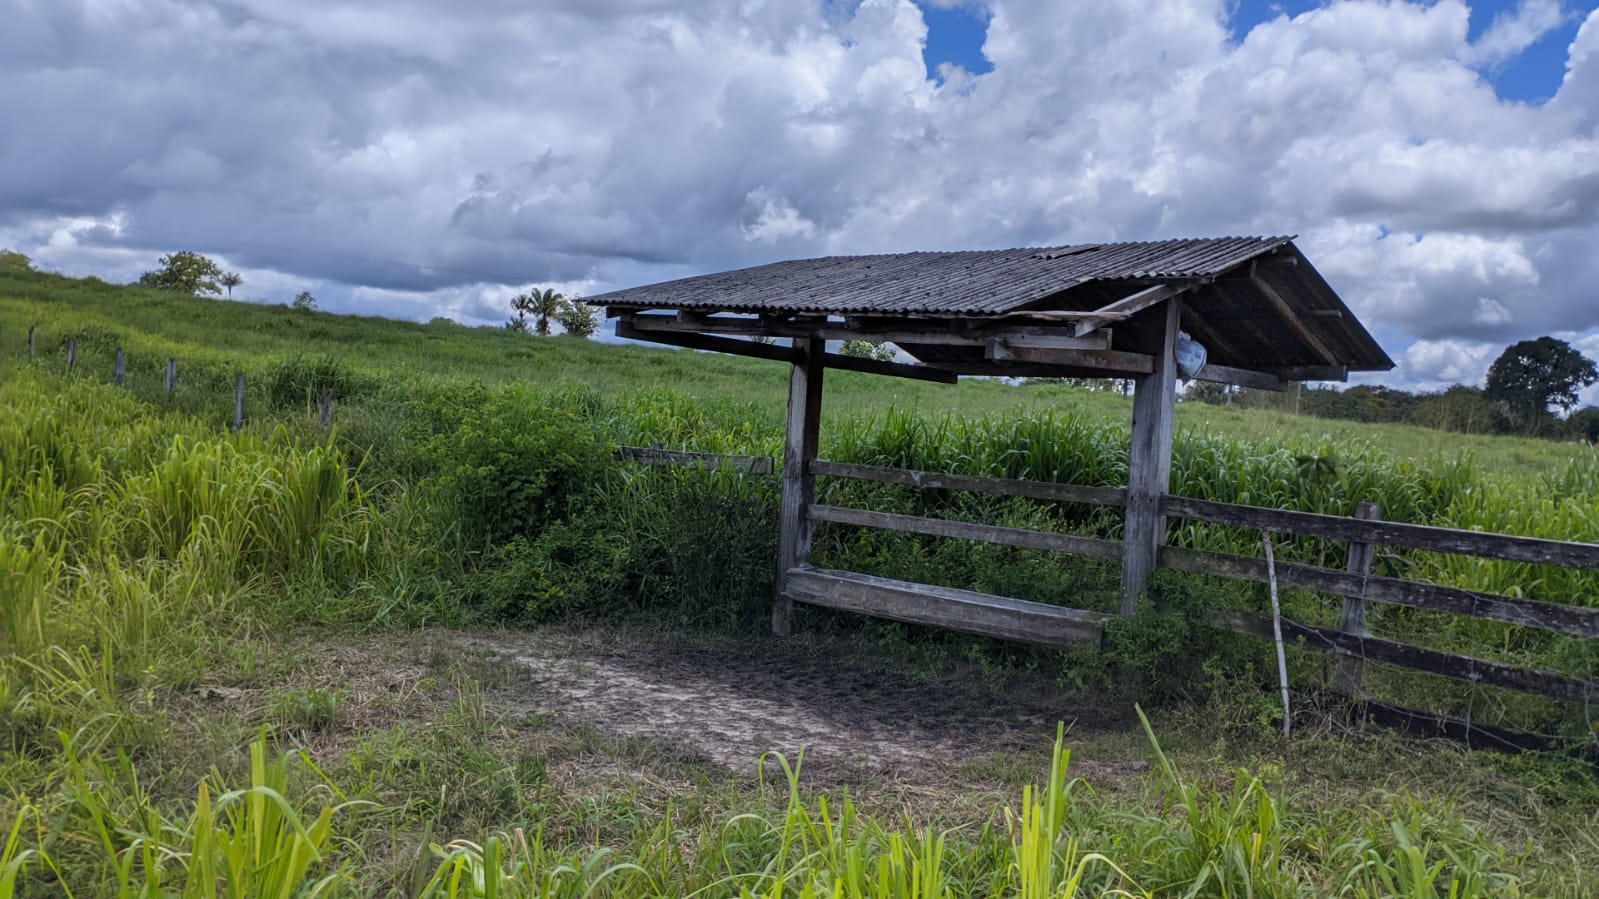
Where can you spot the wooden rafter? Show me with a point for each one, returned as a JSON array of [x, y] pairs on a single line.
[[1292, 319], [627, 327]]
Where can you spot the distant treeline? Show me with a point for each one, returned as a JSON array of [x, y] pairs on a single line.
[[1462, 409]]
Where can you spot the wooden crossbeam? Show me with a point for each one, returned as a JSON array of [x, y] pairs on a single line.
[[1127, 306], [945, 607], [1292, 319], [628, 328]]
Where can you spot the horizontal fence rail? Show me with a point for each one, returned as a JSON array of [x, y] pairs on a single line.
[[649, 455], [1389, 533], [1560, 618], [1404, 655], [934, 480], [966, 530]]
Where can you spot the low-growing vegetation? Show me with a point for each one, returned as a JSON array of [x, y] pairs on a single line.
[[172, 719]]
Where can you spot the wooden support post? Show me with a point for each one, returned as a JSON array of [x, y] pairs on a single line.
[[799, 483], [238, 401], [1149, 461], [325, 405], [72, 353], [172, 374], [30, 343], [119, 370], [1352, 620]]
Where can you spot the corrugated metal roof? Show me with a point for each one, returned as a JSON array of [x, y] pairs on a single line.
[[1233, 307], [982, 282]]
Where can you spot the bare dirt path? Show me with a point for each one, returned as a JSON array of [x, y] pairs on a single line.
[[726, 702]]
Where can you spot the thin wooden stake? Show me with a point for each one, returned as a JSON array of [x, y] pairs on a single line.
[[238, 401], [30, 343], [326, 407], [72, 354], [1277, 629], [119, 371], [1352, 619], [172, 374]]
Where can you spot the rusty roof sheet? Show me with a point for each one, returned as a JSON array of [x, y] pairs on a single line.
[[980, 282]]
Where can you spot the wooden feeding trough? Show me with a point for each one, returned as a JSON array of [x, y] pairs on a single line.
[[1261, 311]]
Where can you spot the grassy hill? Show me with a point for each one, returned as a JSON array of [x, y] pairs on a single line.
[[213, 338], [300, 664]]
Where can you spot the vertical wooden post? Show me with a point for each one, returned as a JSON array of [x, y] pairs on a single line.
[[172, 374], [30, 342], [1149, 459], [118, 371], [72, 353], [799, 485], [1352, 620], [325, 405], [238, 401]]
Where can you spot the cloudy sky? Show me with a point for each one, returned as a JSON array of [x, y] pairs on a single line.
[[412, 158]]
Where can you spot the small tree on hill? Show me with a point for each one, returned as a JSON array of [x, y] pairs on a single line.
[[304, 302], [230, 281], [1530, 376], [12, 261], [185, 272], [541, 305], [868, 349], [578, 318]]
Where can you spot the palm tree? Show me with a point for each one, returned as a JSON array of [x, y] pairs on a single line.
[[542, 305], [230, 281]]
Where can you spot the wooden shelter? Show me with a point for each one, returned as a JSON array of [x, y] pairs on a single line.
[[1262, 312]]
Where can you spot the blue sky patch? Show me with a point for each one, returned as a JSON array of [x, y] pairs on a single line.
[[955, 35]]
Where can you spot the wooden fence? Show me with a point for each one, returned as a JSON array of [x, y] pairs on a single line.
[[325, 401], [1349, 642]]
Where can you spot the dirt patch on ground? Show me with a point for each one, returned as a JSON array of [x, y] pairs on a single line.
[[728, 702]]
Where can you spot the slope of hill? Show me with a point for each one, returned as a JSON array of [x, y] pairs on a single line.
[[213, 338]]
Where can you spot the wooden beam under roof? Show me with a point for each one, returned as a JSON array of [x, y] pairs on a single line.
[[941, 332], [1128, 306], [626, 327], [1291, 318]]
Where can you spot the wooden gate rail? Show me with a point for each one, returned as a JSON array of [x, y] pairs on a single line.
[[965, 530], [1560, 618], [934, 480], [1534, 550], [1404, 655], [650, 455]]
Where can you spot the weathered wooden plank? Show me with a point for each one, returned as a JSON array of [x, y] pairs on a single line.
[[1457, 667], [769, 351], [1117, 361], [1286, 312], [1559, 618], [119, 368], [1242, 377], [1470, 733], [760, 465], [891, 369], [1312, 372], [945, 332], [655, 330], [1352, 617], [965, 530], [945, 607], [1047, 339], [1149, 459], [238, 401], [1128, 306], [172, 374], [799, 485], [1413, 536], [933, 480]]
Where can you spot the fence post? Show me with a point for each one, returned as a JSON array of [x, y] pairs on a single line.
[[119, 370], [325, 405], [30, 344], [238, 401], [172, 374], [1352, 620], [72, 353]]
